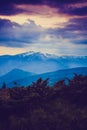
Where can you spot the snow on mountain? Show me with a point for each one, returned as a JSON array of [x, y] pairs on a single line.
[[37, 62], [37, 56]]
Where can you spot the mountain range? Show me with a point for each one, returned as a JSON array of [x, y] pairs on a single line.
[[36, 62], [26, 68], [21, 78]]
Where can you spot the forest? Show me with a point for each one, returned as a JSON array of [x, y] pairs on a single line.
[[41, 107]]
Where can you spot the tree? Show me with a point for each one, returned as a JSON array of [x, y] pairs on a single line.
[[59, 85], [40, 83]]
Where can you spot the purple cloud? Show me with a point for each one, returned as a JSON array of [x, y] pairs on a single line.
[[7, 7], [15, 35]]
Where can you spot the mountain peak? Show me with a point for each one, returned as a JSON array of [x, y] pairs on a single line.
[[40, 55], [38, 62], [26, 53]]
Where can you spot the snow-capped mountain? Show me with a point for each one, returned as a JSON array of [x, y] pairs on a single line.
[[37, 62], [37, 56]]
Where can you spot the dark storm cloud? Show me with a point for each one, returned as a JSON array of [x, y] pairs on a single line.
[[74, 11], [77, 24], [65, 7], [75, 31], [33, 2], [15, 35], [7, 7], [61, 3], [5, 23]]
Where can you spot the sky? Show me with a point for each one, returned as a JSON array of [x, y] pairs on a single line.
[[58, 27]]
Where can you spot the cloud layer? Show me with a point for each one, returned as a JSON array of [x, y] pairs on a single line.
[[68, 40], [70, 7], [68, 31], [15, 35]]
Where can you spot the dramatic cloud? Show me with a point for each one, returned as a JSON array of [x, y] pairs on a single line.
[[8, 7], [15, 35], [59, 26], [74, 11], [75, 31]]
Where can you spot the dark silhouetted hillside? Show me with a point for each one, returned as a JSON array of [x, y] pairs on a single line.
[[41, 107]]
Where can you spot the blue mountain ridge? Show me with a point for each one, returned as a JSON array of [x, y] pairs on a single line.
[[53, 76], [13, 75], [37, 62]]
